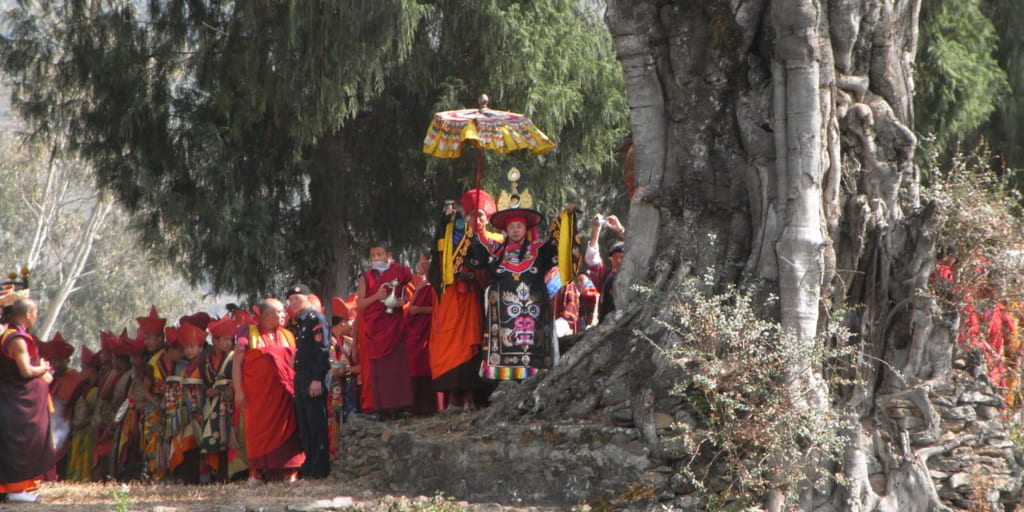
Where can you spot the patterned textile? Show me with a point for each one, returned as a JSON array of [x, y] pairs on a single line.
[[495, 130]]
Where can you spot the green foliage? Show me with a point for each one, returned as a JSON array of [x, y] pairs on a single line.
[[250, 140], [122, 498], [1005, 129], [958, 81], [756, 428]]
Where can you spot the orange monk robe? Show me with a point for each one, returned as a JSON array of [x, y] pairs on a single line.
[[457, 323]]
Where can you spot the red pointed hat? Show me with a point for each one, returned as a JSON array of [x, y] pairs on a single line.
[[477, 199], [171, 337], [125, 345], [89, 358], [224, 328], [108, 340], [138, 344], [344, 308], [190, 334], [45, 349], [151, 324], [57, 347]]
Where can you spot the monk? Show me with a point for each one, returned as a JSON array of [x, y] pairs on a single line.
[[417, 337], [381, 332], [166, 389], [457, 326], [185, 463], [263, 378], [152, 329], [83, 435], [218, 440], [129, 436], [24, 405], [65, 391], [344, 371], [112, 371]]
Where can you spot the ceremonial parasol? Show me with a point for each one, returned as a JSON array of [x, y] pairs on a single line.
[[495, 130]]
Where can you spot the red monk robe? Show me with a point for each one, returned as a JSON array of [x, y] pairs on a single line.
[[381, 334], [24, 407], [417, 335], [270, 426]]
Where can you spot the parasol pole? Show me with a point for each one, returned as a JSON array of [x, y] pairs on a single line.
[[483, 101]]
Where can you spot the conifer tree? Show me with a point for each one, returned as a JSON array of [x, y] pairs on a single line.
[[260, 142]]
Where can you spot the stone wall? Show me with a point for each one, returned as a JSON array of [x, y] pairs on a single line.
[[544, 464], [953, 425]]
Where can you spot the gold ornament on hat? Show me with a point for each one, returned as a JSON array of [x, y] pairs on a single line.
[[514, 199], [13, 289]]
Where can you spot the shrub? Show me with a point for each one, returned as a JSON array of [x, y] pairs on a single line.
[[757, 427]]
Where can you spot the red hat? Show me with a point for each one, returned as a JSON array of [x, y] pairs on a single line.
[[191, 335], [171, 337], [343, 308], [89, 357], [151, 324], [57, 347], [200, 319], [244, 317], [139, 344], [223, 328], [125, 345], [477, 199], [525, 215], [108, 340]]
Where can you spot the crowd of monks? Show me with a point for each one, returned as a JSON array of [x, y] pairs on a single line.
[[214, 399]]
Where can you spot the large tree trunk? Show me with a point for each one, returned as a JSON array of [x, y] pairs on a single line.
[[773, 144], [328, 195]]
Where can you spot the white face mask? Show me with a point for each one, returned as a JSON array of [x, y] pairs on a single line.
[[380, 266]]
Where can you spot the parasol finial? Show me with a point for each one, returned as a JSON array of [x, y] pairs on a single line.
[[483, 101]]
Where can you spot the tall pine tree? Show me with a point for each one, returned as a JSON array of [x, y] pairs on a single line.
[[261, 142]]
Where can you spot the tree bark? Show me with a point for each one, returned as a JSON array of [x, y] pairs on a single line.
[[773, 145], [328, 195]]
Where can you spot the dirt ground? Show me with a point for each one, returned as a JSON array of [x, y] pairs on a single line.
[[329, 494]]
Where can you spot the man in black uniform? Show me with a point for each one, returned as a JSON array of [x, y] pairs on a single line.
[[312, 360]]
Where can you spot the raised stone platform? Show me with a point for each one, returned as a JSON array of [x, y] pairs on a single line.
[[545, 464]]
